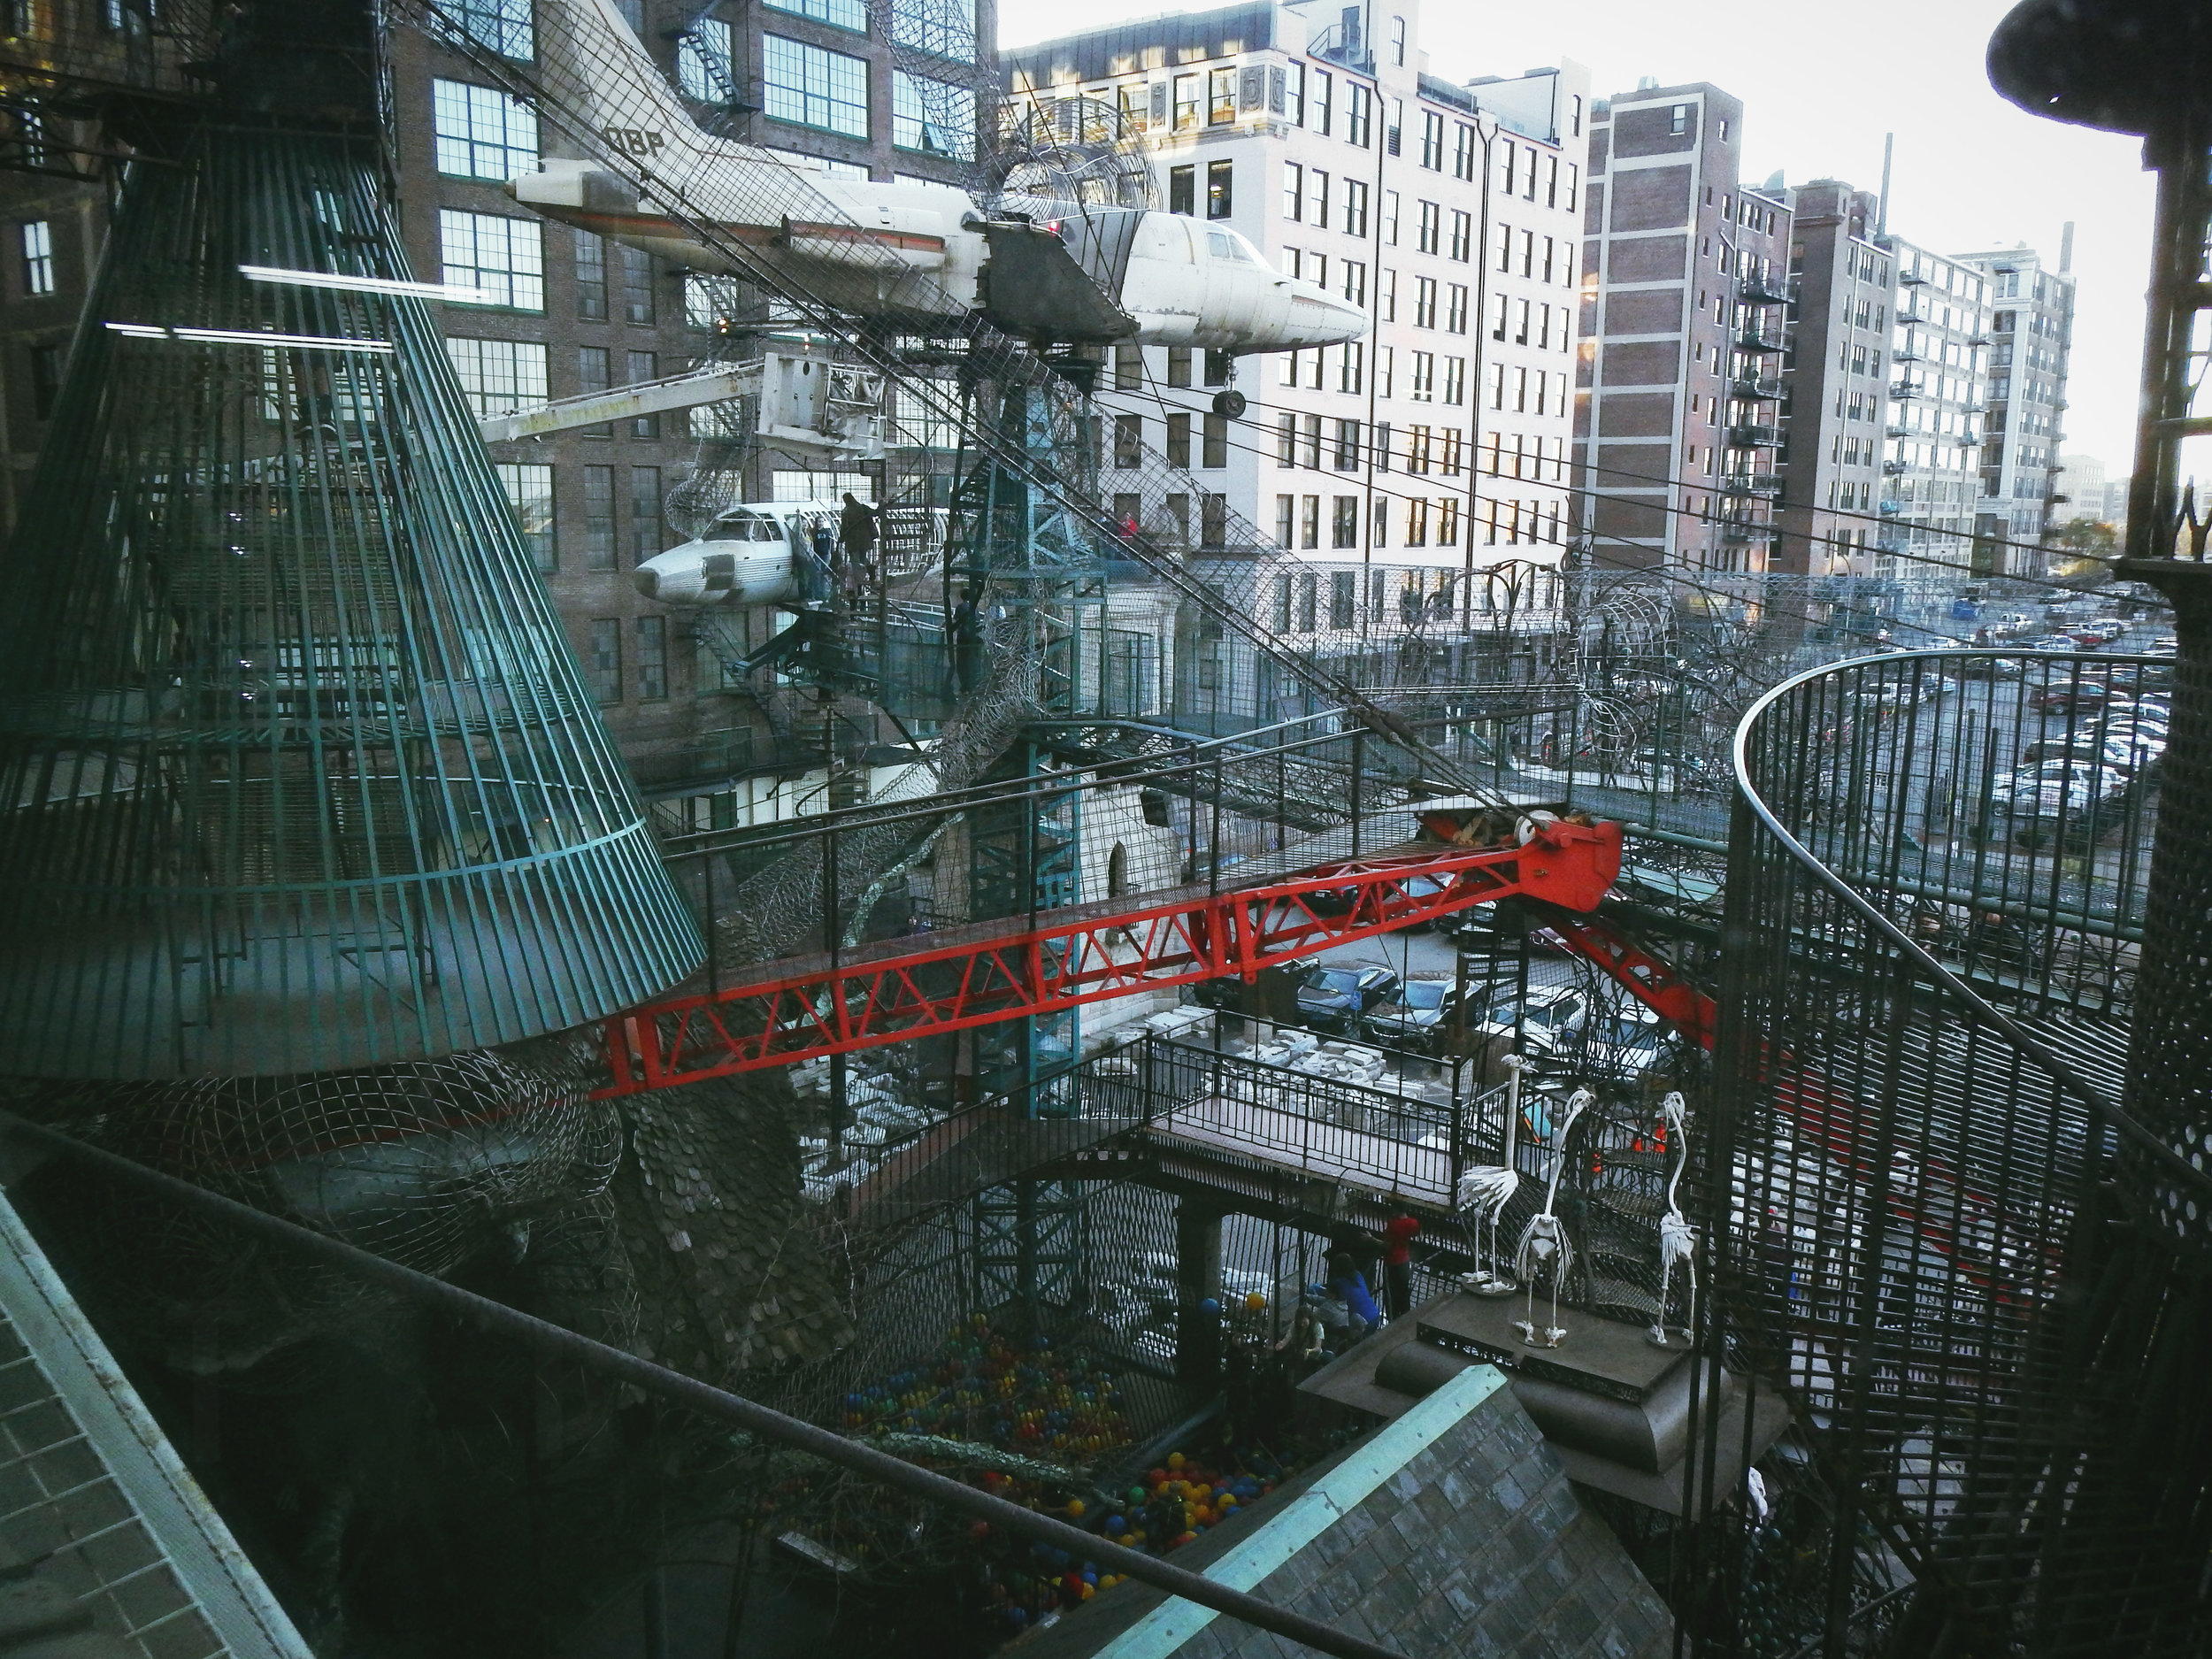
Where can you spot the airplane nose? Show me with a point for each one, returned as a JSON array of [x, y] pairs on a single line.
[[646, 582]]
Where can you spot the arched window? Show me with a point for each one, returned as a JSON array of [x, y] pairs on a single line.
[[1398, 41], [1117, 871]]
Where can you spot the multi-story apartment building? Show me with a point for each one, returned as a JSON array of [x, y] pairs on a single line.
[[571, 312], [1679, 386], [1835, 382], [2081, 489], [1932, 467], [2031, 333], [1435, 447]]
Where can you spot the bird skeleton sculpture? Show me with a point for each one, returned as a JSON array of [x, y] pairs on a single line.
[[1677, 1239], [1487, 1188], [1545, 1248]]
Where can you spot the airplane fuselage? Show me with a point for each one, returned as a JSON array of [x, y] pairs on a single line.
[[922, 252]]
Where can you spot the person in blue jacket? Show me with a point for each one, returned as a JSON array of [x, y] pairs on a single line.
[[1347, 1283]]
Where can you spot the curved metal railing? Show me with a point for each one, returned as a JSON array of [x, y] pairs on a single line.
[[1935, 906]]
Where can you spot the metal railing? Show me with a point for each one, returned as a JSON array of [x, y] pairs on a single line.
[[1935, 900]]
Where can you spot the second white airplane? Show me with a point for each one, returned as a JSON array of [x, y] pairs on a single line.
[[915, 254]]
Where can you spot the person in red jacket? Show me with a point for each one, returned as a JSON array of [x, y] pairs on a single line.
[[1398, 1264]]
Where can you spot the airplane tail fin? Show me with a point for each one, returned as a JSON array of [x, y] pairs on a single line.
[[613, 79]]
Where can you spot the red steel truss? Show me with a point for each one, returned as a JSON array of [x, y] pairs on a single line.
[[896, 991]]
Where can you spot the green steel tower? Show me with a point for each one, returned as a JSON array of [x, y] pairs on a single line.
[[300, 772]]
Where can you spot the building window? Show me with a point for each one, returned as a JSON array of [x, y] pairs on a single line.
[[591, 277], [1456, 309], [637, 286], [1344, 533], [1316, 199], [1287, 443], [602, 664], [1463, 152], [1347, 455], [498, 376], [1321, 95], [1128, 441], [1351, 367], [1464, 237], [645, 535], [1432, 141], [1355, 280], [594, 373], [1187, 109], [1432, 232], [1355, 207], [1422, 379], [1217, 366], [1215, 446], [480, 133], [652, 659], [1359, 115], [38, 257], [944, 28], [1424, 302], [932, 116], [504, 257], [1182, 190], [1179, 366], [1178, 440], [706, 65], [599, 519], [1128, 368], [810, 87], [1219, 197], [644, 365], [1293, 191], [844, 14], [502, 24], [1213, 522], [1221, 97], [46, 369], [529, 487]]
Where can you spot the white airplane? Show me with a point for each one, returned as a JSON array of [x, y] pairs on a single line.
[[757, 553], [916, 254]]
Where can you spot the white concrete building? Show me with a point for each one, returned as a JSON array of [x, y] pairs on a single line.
[[1931, 466], [1437, 446], [2083, 482], [2031, 335]]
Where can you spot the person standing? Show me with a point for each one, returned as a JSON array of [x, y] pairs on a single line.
[[1398, 1233]]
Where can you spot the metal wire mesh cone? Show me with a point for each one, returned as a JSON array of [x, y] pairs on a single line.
[[297, 771]]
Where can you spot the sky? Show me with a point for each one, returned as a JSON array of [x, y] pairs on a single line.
[[1820, 86]]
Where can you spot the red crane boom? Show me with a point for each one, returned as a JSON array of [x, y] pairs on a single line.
[[896, 991]]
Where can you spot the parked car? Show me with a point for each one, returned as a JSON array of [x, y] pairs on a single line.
[[2069, 695], [2058, 797], [2111, 627], [2128, 754], [1553, 1014], [2054, 643], [1420, 1019], [1337, 997]]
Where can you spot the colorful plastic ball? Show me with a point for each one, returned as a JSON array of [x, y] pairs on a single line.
[[1175, 1460], [1254, 1301], [980, 1531], [1116, 1524], [1075, 1508]]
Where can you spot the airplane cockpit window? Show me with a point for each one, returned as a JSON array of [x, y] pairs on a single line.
[[1229, 245], [743, 525], [1243, 249]]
